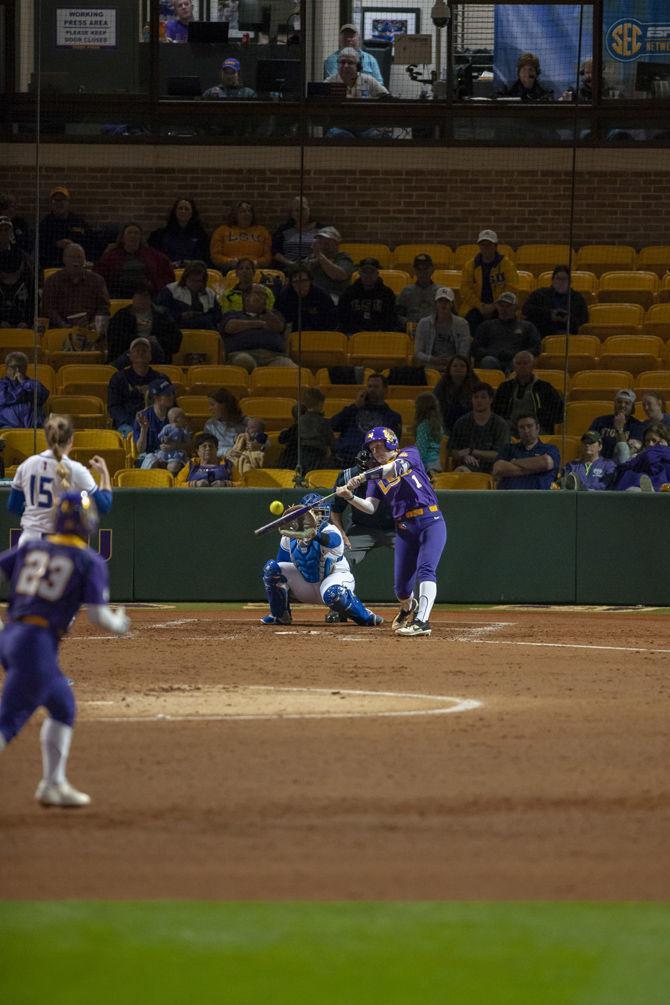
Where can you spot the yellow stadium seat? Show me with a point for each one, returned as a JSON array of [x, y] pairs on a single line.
[[20, 444], [590, 385], [580, 414], [136, 478], [557, 378], [131, 449], [19, 340], [613, 319], [526, 282], [87, 412], [116, 305], [448, 277], [317, 349], [653, 380], [53, 344], [195, 404], [462, 481], [585, 283], [539, 258], [279, 381], [260, 275], [465, 252], [664, 292], [87, 379], [361, 249], [492, 377], [636, 354], [628, 287], [635, 343], [276, 413], [655, 257], [407, 409], [404, 255], [198, 342], [657, 321], [380, 349], [48, 273], [322, 478], [215, 281], [203, 379], [45, 373], [269, 478], [115, 457], [567, 446], [98, 439], [174, 374], [600, 258], [332, 406], [577, 352]]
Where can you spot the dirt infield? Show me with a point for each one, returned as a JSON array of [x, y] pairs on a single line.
[[516, 754]]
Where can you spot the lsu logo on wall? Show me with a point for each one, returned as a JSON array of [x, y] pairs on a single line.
[[627, 40], [104, 548]]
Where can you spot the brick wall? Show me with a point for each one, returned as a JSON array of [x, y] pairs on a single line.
[[621, 196]]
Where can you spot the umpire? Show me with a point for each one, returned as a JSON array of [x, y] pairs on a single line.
[[365, 531]]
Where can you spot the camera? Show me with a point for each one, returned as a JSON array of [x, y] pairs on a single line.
[[440, 14]]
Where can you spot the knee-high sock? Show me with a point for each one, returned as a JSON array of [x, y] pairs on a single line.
[[3, 742], [55, 740], [427, 594]]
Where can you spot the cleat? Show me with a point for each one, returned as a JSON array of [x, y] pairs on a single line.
[[335, 618], [404, 618], [571, 482], [60, 794], [376, 621], [284, 619], [415, 629]]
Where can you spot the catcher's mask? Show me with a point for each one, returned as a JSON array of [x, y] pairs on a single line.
[[303, 527]]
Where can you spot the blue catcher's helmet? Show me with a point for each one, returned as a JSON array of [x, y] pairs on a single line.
[[316, 502], [382, 434], [77, 514]]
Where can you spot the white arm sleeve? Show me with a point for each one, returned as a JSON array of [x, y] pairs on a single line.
[[116, 621], [368, 506]]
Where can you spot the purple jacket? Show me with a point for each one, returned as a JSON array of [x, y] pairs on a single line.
[[17, 400]]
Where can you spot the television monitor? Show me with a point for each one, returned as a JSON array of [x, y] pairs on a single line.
[[278, 76], [254, 15], [647, 75], [207, 32]]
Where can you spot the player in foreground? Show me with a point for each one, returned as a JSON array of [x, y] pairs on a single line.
[[49, 581], [311, 566], [421, 532], [41, 480]]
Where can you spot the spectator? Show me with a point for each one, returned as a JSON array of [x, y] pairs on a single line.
[[293, 241], [241, 237], [653, 404], [149, 422], [314, 431], [177, 28], [128, 388], [303, 305], [368, 410], [73, 290], [484, 278], [231, 87], [189, 301], [10, 250], [183, 239], [528, 464], [368, 304], [621, 426], [254, 336], [22, 235], [417, 300], [248, 451], [358, 85], [454, 390], [21, 399], [206, 472], [524, 394], [429, 431], [591, 471], [17, 298], [442, 334], [142, 318], [557, 308], [585, 93], [58, 229], [351, 39], [649, 469], [331, 268], [245, 270], [227, 421], [526, 86], [131, 261], [498, 340], [175, 441], [479, 436]]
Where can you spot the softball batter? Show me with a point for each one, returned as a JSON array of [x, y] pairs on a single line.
[[421, 532]]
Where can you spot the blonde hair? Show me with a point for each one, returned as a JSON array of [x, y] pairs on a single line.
[[59, 430]]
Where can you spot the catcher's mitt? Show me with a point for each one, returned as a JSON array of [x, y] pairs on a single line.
[[302, 527]]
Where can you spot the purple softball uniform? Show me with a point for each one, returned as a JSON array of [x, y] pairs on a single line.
[[421, 532], [49, 580]]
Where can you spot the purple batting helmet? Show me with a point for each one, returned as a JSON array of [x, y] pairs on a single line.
[[76, 514], [382, 434]]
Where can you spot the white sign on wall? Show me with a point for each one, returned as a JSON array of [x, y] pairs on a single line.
[[94, 27]]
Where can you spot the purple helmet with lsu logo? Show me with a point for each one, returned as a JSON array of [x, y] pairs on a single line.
[[76, 514], [382, 434]]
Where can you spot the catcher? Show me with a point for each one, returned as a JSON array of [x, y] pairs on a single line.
[[311, 567]]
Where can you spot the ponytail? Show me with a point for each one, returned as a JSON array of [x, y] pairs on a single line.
[[58, 430]]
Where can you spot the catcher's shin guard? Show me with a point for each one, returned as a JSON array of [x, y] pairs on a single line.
[[342, 600], [276, 589]]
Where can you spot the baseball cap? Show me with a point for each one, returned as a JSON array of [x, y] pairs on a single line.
[[445, 293], [591, 436], [369, 263], [507, 298], [59, 190], [487, 235], [329, 232], [626, 393], [423, 259], [140, 341], [349, 27], [231, 64], [162, 386]]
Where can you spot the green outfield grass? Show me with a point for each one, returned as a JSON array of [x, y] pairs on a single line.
[[427, 953]]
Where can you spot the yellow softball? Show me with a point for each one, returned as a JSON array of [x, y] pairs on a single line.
[[276, 508]]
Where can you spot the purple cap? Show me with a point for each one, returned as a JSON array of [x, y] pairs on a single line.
[[231, 64]]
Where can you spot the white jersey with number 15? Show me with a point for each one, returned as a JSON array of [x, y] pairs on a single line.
[[42, 487]]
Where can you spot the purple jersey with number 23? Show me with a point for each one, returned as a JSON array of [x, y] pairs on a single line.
[[408, 492]]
